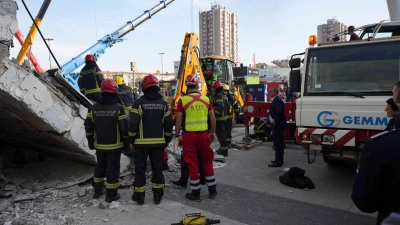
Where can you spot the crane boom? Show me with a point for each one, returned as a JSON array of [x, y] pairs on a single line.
[[32, 57], [108, 41]]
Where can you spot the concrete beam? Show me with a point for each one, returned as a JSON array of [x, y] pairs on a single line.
[[37, 116]]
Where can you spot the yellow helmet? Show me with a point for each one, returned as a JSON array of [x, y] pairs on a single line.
[[225, 87], [119, 80]]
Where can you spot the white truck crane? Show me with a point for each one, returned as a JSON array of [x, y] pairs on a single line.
[[344, 87]]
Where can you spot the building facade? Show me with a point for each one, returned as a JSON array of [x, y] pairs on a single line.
[[325, 32], [219, 33], [133, 79]]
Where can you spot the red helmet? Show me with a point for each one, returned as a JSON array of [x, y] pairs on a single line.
[[217, 84], [90, 57], [148, 81], [192, 80], [109, 85]]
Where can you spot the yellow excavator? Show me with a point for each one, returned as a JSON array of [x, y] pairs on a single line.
[[208, 68]]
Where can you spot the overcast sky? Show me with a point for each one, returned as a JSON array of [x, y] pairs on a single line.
[[272, 29]]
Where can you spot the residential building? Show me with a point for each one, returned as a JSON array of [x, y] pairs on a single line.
[[325, 32], [219, 33], [281, 63]]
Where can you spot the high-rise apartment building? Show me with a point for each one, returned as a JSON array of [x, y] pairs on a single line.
[[219, 33], [328, 30]]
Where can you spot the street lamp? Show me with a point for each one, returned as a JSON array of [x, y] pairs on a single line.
[[162, 70], [49, 39]]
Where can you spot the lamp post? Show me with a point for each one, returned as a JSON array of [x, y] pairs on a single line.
[[162, 70], [49, 39]]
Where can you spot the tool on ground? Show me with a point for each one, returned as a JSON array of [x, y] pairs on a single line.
[[196, 219]]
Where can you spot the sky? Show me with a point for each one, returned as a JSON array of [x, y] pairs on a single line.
[[270, 29]]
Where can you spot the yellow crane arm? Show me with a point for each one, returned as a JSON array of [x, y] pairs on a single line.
[[32, 32], [189, 64]]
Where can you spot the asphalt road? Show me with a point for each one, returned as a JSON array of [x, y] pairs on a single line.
[[249, 191]]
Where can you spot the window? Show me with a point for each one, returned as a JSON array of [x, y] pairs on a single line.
[[369, 68]]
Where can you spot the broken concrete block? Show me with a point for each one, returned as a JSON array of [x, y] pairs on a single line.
[[6, 193], [24, 197], [81, 192], [10, 187], [33, 106]]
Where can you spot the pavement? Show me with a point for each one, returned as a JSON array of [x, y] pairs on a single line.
[[249, 192]]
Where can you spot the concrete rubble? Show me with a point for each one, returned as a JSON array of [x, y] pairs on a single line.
[[44, 198]]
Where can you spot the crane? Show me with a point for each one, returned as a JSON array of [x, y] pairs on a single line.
[[107, 42]]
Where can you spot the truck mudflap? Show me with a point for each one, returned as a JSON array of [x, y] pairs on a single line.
[[338, 143]]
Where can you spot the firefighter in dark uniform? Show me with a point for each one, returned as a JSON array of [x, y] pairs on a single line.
[[220, 110], [90, 78], [125, 94], [106, 129], [150, 131], [377, 183], [263, 130], [229, 115]]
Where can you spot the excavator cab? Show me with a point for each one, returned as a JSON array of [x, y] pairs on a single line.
[[217, 68]]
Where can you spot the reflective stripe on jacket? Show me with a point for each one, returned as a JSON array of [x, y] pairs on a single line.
[[106, 126], [90, 79], [150, 123]]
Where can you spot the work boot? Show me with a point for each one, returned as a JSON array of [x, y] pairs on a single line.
[[222, 152], [157, 194], [112, 195], [138, 197], [98, 189], [212, 195], [193, 197], [179, 183]]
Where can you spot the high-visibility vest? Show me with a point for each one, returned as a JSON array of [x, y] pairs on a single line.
[[196, 112]]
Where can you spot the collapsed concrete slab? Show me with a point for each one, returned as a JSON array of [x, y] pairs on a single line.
[[36, 115]]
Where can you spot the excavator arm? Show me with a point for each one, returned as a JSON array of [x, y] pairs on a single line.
[[238, 96], [189, 64]]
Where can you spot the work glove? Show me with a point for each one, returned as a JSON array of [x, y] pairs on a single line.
[[91, 145]]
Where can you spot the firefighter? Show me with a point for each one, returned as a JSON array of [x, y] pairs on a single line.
[[150, 131], [90, 78], [263, 130], [193, 112], [229, 115], [125, 94], [220, 111], [106, 129]]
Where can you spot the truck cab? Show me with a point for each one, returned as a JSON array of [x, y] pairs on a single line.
[[344, 87]]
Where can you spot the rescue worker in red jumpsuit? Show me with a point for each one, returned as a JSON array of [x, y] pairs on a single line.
[[221, 111], [90, 78], [193, 113], [106, 129], [150, 131]]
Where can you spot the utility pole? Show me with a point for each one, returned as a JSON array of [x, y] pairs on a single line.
[[49, 39], [162, 70]]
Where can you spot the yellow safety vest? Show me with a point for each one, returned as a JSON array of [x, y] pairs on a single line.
[[196, 112]]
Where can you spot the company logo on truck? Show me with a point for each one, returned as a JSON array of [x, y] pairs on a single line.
[[331, 119]]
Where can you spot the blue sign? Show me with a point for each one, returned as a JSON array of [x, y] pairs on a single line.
[[325, 119]]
